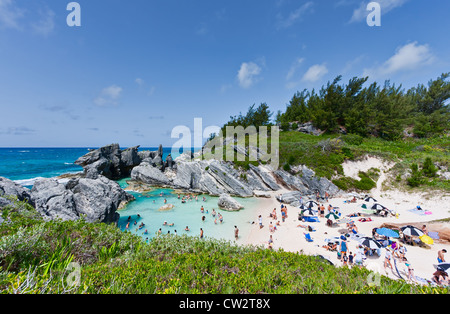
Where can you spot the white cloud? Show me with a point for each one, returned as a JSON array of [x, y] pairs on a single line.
[[407, 58], [10, 15], [46, 24], [139, 81], [109, 96], [360, 14], [315, 73], [294, 16], [294, 67], [248, 74]]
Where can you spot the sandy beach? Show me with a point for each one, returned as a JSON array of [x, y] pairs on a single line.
[[290, 237]]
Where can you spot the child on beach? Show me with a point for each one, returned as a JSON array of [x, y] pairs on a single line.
[[270, 242], [350, 259], [344, 259]]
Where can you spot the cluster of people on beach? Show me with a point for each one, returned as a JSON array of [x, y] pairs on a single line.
[[393, 252]]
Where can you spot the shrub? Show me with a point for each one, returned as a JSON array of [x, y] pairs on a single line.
[[366, 183], [285, 126], [352, 139], [415, 179], [429, 170]]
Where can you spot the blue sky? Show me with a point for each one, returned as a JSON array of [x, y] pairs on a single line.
[[136, 69]]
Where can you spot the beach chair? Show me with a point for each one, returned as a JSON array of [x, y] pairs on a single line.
[[308, 237]]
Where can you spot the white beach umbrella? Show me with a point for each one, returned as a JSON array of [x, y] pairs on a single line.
[[370, 199], [311, 204], [370, 243], [411, 231]]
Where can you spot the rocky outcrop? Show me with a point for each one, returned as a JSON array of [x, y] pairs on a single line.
[[10, 188], [96, 198], [149, 174], [226, 202], [307, 128], [218, 177], [114, 163], [190, 173]]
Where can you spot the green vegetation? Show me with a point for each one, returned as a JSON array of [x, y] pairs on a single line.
[[408, 128], [380, 111], [35, 256], [326, 153]]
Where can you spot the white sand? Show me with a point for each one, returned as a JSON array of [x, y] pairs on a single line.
[[290, 238]]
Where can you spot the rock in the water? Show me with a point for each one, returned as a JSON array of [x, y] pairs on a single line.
[[166, 207], [228, 203], [114, 163]]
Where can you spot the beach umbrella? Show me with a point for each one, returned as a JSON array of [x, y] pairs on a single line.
[[388, 232], [370, 199], [426, 239], [443, 266], [311, 204], [308, 212], [411, 231], [377, 207], [332, 216], [370, 243]]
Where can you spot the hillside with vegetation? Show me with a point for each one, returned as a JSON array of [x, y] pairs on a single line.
[[409, 128]]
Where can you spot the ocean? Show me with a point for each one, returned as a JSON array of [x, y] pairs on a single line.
[[26, 165]]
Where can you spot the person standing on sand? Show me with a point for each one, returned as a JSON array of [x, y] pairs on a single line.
[[236, 232], [260, 222], [201, 233], [387, 259], [343, 247]]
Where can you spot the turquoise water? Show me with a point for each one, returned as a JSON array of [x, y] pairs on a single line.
[[188, 214]]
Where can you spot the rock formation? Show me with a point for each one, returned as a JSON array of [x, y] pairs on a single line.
[[226, 202], [10, 188], [114, 163], [97, 198]]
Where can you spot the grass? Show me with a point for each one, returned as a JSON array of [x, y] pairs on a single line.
[[326, 153], [35, 256]]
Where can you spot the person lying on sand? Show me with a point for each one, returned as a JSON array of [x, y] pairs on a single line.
[[330, 247]]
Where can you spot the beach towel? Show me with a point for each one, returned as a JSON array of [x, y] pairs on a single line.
[[365, 219], [420, 212], [433, 235], [312, 219]]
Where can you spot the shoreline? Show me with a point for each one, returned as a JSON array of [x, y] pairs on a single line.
[[289, 237]]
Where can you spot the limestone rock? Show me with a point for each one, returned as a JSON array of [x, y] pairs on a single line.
[[226, 202]]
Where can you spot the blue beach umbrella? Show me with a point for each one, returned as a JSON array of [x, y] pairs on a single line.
[[388, 233]]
